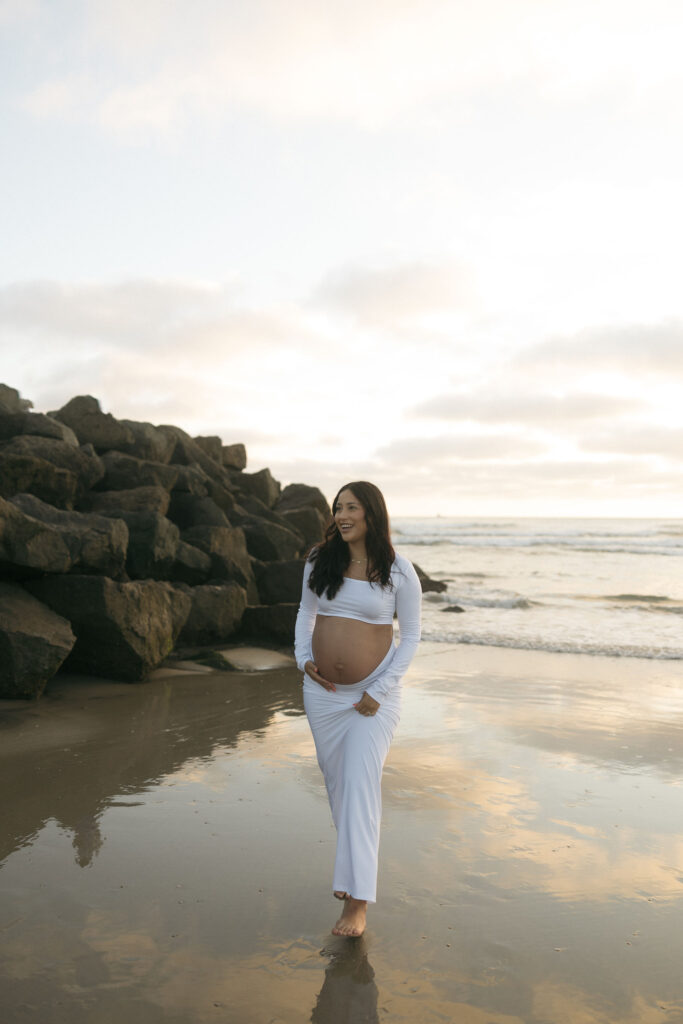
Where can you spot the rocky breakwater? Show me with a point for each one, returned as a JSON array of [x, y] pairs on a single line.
[[121, 540]]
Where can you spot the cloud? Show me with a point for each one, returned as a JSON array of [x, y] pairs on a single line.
[[145, 315], [650, 349], [534, 410], [390, 295], [450, 448], [637, 440]]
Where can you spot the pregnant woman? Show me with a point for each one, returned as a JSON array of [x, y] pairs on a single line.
[[353, 583]]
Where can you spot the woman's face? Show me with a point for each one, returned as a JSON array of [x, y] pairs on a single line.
[[349, 515]]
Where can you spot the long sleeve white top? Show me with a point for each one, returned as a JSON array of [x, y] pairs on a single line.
[[367, 602]]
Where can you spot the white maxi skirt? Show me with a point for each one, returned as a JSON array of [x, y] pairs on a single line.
[[351, 750]]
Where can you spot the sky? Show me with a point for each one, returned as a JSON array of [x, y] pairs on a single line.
[[431, 244]]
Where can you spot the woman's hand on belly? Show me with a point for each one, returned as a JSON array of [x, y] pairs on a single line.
[[311, 671]]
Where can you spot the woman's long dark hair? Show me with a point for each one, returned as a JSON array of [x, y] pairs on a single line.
[[331, 558]]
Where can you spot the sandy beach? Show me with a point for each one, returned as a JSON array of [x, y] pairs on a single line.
[[167, 850]]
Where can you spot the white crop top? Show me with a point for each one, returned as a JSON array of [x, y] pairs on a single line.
[[367, 602]]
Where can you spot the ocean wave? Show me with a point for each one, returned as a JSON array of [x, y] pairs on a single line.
[[610, 546], [497, 602], [558, 647]]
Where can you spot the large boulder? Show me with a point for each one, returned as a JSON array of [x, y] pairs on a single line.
[[215, 615], [137, 499], [191, 565], [152, 545], [123, 630], [270, 542], [26, 473], [11, 401], [272, 622], [34, 641], [187, 510], [211, 446], [92, 426], [234, 456], [192, 480], [261, 485], [149, 442], [250, 506], [227, 550], [126, 472], [303, 496], [95, 543], [29, 547], [82, 462], [309, 522], [188, 452], [13, 424], [280, 582]]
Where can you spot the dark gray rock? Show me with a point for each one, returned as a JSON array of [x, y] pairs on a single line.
[[92, 426], [34, 641], [222, 497], [191, 480], [29, 547], [250, 506], [125, 472], [28, 474], [152, 545], [191, 565], [123, 630], [270, 542], [11, 401], [427, 584], [215, 615], [227, 550], [82, 462], [187, 510], [149, 442], [304, 496], [453, 608], [234, 456], [261, 485], [309, 522], [211, 446], [16, 423], [188, 453], [137, 499], [280, 582], [95, 543], [271, 622]]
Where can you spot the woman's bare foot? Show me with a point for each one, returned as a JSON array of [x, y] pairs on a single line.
[[352, 921]]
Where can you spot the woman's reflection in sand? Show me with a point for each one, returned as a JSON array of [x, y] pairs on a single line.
[[349, 992]]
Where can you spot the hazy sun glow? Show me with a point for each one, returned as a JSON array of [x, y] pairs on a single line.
[[432, 244]]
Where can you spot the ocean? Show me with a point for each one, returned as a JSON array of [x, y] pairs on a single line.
[[585, 586]]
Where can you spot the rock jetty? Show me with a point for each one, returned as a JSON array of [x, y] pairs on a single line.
[[121, 540]]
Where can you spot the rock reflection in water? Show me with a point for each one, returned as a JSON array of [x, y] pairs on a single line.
[[349, 992]]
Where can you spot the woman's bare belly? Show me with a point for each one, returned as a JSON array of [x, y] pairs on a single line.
[[346, 650]]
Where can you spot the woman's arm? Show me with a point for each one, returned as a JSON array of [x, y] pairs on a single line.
[[305, 622], [408, 610]]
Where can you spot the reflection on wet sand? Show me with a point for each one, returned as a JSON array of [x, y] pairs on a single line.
[[168, 851], [101, 740], [349, 993]]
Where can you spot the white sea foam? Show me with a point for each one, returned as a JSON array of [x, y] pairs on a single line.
[[595, 587]]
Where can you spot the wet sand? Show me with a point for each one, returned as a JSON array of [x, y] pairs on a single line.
[[167, 850]]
